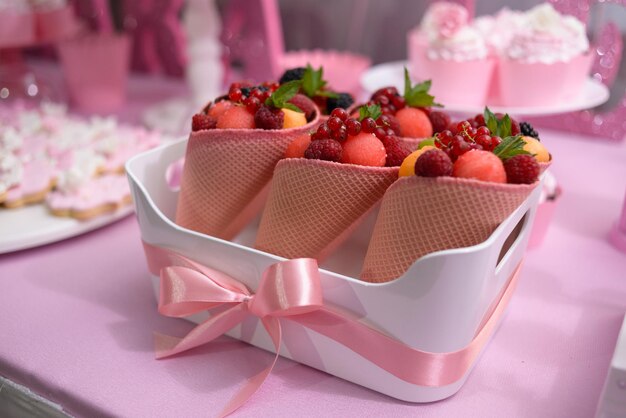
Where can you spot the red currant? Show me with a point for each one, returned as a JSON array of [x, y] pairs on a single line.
[[323, 131], [235, 94], [445, 137], [340, 134], [334, 123], [368, 125], [462, 126], [383, 100], [483, 130], [495, 141], [483, 140], [252, 104], [480, 120], [353, 126], [398, 102], [258, 93], [470, 133], [380, 132], [339, 113], [476, 146]]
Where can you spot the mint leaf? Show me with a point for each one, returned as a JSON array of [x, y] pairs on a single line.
[[510, 146], [313, 83], [371, 111], [417, 95], [293, 107], [491, 121], [504, 126], [328, 94], [283, 94]]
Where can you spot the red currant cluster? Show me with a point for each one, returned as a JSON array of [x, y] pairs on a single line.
[[389, 100], [340, 125], [252, 97], [479, 120], [465, 138]]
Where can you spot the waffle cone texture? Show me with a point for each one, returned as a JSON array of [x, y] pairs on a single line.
[[421, 215], [225, 173], [313, 204]]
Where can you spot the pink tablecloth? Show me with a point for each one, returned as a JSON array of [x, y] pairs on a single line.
[[76, 323]]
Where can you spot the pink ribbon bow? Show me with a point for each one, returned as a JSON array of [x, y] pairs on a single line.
[[291, 289]]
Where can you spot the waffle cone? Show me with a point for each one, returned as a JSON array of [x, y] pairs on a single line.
[[225, 174], [313, 205], [422, 215]]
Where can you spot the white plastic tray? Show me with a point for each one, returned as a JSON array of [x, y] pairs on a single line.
[[436, 306]]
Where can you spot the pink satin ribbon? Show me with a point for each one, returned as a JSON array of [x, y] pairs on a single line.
[[291, 289]]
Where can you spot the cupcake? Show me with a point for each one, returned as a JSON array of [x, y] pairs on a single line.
[[231, 153], [546, 61], [446, 49]]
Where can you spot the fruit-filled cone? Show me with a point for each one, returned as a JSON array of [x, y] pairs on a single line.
[[314, 204], [421, 215], [225, 173]]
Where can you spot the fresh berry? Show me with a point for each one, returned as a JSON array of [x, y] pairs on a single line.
[[396, 150], [252, 104], [340, 113], [219, 108], [292, 74], [484, 141], [521, 169], [439, 120], [537, 149], [433, 163], [235, 95], [353, 126], [480, 165], [385, 91], [334, 123], [458, 146], [368, 125], [297, 147], [483, 130], [324, 149], [407, 168], [343, 100], [340, 134], [398, 102], [414, 123], [389, 121], [444, 138], [269, 118], [380, 132], [526, 129], [305, 104], [364, 149], [515, 128], [323, 131], [480, 119], [200, 122], [292, 119], [237, 117]]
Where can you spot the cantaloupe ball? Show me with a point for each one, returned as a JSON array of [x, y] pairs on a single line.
[[293, 119], [364, 149], [414, 123], [237, 117], [219, 108]]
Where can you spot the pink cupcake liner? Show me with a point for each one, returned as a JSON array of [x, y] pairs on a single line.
[[343, 70], [538, 84], [96, 70], [464, 83]]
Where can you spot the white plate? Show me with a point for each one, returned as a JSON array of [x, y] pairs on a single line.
[[32, 226], [392, 74]]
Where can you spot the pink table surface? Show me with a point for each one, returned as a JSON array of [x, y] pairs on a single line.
[[77, 317]]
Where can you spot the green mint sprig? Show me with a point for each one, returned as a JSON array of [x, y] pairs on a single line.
[[499, 127], [510, 147], [313, 83], [417, 95], [371, 111], [281, 96]]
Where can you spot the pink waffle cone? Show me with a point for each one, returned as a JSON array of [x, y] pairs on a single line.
[[314, 204], [422, 215], [225, 176]]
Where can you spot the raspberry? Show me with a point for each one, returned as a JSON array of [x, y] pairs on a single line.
[[515, 128], [305, 104], [292, 74], [269, 118], [344, 101], [200, 122], [439, 120], [396, 151], [324, 149], [433, 163], [521, 169]]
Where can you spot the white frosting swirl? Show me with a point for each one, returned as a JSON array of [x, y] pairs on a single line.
[[10, 139], [498, 30], [448, 35], [548, 37]]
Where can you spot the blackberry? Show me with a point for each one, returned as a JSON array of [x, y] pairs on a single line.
[[292, 74], [344, 101], [527, 130]]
